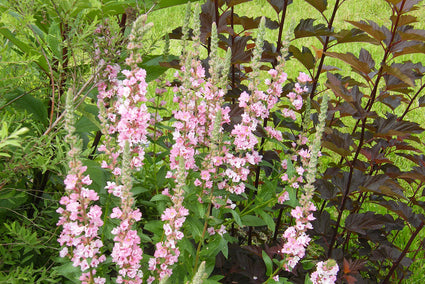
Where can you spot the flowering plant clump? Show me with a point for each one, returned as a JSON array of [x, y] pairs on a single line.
[[213, 149], [79, 218]]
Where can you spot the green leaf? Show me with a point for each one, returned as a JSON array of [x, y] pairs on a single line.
[[290, 169], [252, 221], [268, 262], [25, 48], [138, 190], [236, 217], [155, 227], [97, 174], [27, 102], [88, 121], [307, 279], [267, 219], [54, 40], [293, 201], [195, 226], [152, 66], [4, 130], [169, 3], [160, 197], [19, 132]]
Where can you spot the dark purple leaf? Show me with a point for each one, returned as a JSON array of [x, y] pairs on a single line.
[[371, 28], [306, 29], [390, 100], [421, 101], [239, 52], [382, 184], [403, 20], [361, 222], [349, 58], [406, 6], [339, 143], [391, 126], [279, 4], [354, 35], [385, 252], [364, 56], [403, 211], [412, 34], [374, 155], [269, 156], [305, 57], [319, 5], [208, 16], [410, 48], [231, 3]]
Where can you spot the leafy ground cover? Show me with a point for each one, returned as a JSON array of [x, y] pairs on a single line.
[[177, 159]]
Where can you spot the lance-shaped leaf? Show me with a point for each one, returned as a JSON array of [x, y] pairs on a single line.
[[25, 48]]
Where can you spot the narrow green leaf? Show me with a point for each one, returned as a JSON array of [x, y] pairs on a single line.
[[268, 262], [267, 219], [41, 61], [252, 221], [236, 217]]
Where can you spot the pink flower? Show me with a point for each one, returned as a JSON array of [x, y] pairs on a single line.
[[303, 78], [326, 272]]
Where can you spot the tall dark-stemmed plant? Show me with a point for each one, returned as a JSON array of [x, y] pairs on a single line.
[[368, 128]]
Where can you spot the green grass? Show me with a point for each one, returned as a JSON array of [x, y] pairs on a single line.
[[167, 19]]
